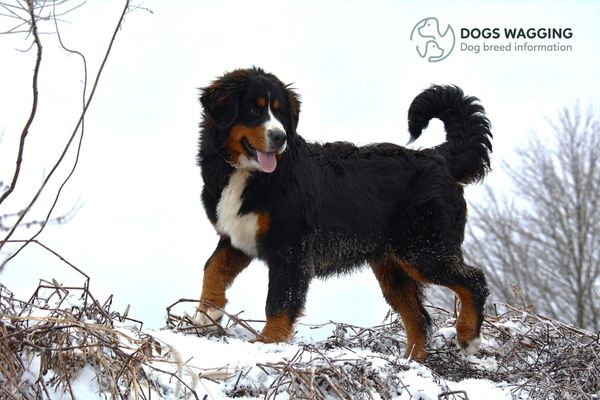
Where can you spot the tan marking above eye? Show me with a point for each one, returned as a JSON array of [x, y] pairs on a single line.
[[261, 102], [276, 105]]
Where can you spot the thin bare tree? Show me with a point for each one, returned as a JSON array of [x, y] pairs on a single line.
[[25, 17], [540, 242]]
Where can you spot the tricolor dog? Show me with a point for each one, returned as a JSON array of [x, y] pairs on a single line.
[[313, 210]]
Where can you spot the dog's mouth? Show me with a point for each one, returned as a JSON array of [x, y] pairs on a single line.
[[266, 160]]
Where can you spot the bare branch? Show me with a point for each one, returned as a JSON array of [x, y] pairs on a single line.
[[34, 105], [76, 130]]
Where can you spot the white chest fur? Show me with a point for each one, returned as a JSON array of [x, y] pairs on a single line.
[[241, 229]]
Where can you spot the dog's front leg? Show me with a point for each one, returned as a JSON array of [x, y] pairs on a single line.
[[288, 286], [220, 271]]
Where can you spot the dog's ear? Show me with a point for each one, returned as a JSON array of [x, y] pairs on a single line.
[[221, 100], [293, 100]]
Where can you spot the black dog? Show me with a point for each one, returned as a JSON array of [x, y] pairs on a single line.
[[310, 210]]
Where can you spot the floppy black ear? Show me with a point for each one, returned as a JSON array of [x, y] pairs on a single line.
[[222, 98], [220, 105]]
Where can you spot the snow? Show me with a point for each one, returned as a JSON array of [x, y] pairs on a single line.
[[30, 374], [232, 353], [232, 362], [179, 363], [85, 386]]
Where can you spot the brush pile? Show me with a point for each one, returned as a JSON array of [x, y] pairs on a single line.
[[63, 342], [63, 337]]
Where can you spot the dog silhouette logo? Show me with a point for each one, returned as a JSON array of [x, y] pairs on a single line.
[[431, 43]]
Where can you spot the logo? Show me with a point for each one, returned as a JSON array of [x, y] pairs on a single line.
[[431, 43]]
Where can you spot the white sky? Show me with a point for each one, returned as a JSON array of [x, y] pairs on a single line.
[[142, 233]]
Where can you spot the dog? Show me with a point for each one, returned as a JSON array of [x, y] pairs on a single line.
[[315, 210]]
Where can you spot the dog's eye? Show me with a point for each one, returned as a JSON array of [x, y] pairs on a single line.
[[254, 112]]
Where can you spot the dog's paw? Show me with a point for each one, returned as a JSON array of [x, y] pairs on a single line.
[[471, 346], [207, 317], [418, 355], [257, 339], [266, 340]]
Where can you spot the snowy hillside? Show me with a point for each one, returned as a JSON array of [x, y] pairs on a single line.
[[63, 344]]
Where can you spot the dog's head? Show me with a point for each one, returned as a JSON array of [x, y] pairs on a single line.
[[254, 115]]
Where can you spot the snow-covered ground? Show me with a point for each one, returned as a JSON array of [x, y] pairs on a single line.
[[64, 344], [229, 366], [250, 369]]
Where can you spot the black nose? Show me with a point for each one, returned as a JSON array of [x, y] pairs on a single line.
[[277, 138]]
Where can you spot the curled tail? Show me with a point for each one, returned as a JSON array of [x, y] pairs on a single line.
[[467, 148]]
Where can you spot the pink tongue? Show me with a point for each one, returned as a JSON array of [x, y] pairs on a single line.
[[267, 161]]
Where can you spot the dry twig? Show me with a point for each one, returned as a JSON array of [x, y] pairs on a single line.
[[78, 131]]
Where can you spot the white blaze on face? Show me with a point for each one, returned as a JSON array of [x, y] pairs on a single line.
[[273, 124], [268, 160]]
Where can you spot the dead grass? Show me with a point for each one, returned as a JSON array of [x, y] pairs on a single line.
[[48, 341]]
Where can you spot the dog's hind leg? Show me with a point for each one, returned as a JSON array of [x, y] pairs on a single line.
[[472, 293], [405, 296], [466, 281], [427, 246], [220, 270]]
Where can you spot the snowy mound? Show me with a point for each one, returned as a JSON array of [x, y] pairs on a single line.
[[64, 344]]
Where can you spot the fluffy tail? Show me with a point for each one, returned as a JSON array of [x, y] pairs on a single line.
[[467, 148]]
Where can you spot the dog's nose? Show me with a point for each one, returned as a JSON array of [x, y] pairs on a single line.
[[277, 138]]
